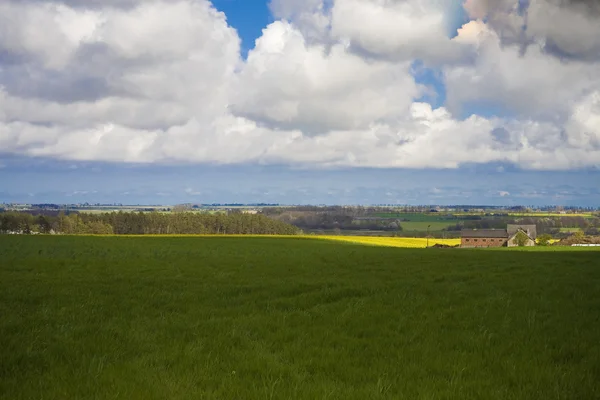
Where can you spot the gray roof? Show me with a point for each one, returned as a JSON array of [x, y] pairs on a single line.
[[484, 233], [531, 230]]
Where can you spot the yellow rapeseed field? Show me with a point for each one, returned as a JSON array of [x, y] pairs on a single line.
[[390, 241]]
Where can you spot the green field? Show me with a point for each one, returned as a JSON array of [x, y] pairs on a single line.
[[284, 318], [420, 221], [422, 226], [571, 230], [420, 217]]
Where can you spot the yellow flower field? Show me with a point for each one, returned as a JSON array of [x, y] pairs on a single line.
[[390, 241]]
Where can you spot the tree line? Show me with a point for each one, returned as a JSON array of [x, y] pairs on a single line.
[[138, 223]]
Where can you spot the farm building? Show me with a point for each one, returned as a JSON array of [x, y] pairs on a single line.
[[529, 230], [484, 238], [498, 237]]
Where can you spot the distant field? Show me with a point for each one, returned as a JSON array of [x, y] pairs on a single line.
[[532, 214], [585, 215], [98, 211], [110, 210], [157, 210], [392, 241], [571, 230], [419, 217], [419, 221], [293, 318], [422, 226]]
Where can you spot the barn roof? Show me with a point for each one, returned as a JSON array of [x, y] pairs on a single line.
[[484, 233], [531, 230]]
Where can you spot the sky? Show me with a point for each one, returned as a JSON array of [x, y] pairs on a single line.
[[298, 102]]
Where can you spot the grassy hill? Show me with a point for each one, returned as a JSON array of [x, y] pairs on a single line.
[[293, 318]]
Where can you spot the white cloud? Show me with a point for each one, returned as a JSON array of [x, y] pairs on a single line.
[[533, 85], [329, 85], [288, 84], [401, 30], [309, 16], [51, 47], [584, 124], [565, 28]]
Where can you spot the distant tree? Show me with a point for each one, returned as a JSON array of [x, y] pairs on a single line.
[[44, 224], [544, 240], [592, 232], [521, 239], [181, 208], [98, 228]]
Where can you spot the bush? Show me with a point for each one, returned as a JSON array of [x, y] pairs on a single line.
[[521, 239], [544, 240]]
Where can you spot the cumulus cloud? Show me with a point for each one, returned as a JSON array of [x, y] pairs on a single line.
[[287, 84], [310, 17], [401, 30], [396, 29], [563, 28], [584, 124], [531, 85], [156, 66], [329, 83]]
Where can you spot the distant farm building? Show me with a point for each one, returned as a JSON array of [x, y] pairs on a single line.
[[483, 238], [253, 212], [498, 237], [529, 230]]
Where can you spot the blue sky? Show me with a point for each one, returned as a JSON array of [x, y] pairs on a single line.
[[248, 17], [342, 102]]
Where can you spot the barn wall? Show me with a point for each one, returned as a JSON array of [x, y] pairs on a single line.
[[513, 242], [482, 242]]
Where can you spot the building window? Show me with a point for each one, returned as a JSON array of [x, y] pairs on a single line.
[[485, 240], [468, 240], [476, 239]]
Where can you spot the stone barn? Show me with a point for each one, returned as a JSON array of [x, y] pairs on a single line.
[[498, 237], [483, 238], [529, 230]]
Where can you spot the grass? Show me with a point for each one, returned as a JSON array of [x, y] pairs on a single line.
[[294, 318]]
